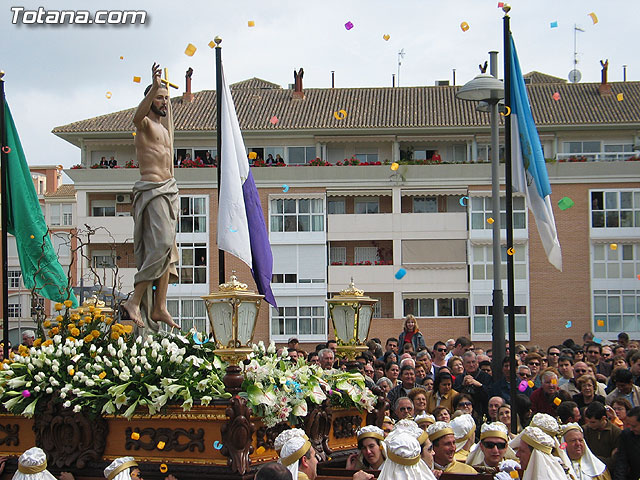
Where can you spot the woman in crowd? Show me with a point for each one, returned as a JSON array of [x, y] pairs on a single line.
[[427, 383], [455, 365], [419, 398], [442, 414], [621, 407], [421, 372], [378, 366], [442, 393], [371, 456], [504, 417], [411, 334], [385, 385], [389, 357], [587, 385], [391, 371]]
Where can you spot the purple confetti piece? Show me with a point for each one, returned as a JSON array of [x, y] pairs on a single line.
[[523, 386], [348, 25]]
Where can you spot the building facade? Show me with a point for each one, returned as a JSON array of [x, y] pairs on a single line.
[[330, 223]]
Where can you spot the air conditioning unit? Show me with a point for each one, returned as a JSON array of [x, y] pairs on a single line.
[[123, 214], [123, 198]]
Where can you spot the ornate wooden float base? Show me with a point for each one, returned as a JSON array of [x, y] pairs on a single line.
[[219, 441]]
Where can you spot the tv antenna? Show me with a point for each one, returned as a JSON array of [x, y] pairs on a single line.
[[575, 75], [401, 55]]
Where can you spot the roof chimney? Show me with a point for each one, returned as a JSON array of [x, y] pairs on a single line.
[[188, 96], [297, 88], [604, 89]]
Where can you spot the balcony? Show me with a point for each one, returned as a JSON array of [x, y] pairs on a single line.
[[359, 226], [108, 229], [596, 157], [431, 225], [124, 281]]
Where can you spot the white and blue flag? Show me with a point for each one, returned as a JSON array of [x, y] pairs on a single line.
[[529, 169]]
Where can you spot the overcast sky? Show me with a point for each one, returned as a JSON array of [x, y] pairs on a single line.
[[60, 74]]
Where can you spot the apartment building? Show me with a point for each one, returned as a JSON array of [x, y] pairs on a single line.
[[328, 224]]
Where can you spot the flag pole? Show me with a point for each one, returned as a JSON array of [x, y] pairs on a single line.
[[4, 196], [509, 226], [218, 41]]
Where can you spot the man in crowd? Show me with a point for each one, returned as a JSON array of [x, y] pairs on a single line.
[[474, 382], [493, 406], [408, 382], [627, 460], [634, 363], [565, 369], [623, 380], [568, 412], [543, 400], [439, 354], [553, 354], [534, 449], [462, 346], [585, 464], [390, 346], [493, 447], [502, 388], [600, 434], [403, 408], [28, 337], [326, 358], [534, 361], [444, 449]]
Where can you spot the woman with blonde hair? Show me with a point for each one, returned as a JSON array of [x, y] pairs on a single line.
[[411, 334]]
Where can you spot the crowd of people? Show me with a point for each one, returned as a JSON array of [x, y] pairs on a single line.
[[582, 399]]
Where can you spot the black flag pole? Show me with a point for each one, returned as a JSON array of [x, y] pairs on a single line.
[[218, 41], [3, 175], [509, 206]]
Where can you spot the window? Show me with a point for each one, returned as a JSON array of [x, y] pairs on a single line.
[[193, 263], [425, 205], [14, 278], [103, 208], [103, 260], [193, 215], [613, 209], [188, 313], [301, 155], [303, 320], [582, 147], [365, 205], [61, 214], [37, 306], [336, 206], [61, 244], [377, 308], [367, 157], [436, 307], [284, 278], [483, 318], [616, 311], [338, 255], [484, 153], [623, 262], [366, 254], [620, 151], [482, 267], [302, 215], [482, 209], [15, 310], [459, 153]]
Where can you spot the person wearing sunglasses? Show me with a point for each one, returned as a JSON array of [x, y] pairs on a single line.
[[534, 362], [439, 354], [493, 448]]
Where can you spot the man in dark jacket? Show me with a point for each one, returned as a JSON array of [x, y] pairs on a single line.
[[627, 460], [474, 382], [600, 434]]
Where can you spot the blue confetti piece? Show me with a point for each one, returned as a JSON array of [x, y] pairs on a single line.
[[285, 188], [154, 287], [554, 24], [597, 340], [217, 445], [233, 229], [462, 201], [568, 324], [401, 273], [197, 341]]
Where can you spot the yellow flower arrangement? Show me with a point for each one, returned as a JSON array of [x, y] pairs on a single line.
[[75, 317], [68, 303], [75, 332], [71, 326], [72, 372], [108, 320], [54, 331], [46, 324], [95, 333], [37, 342], [59, 318], [115, 335], [102, 375], [88, 338], [91, 308], [47, 343], [58, 307]]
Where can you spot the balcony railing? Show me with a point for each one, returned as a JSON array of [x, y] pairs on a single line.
[[597, 157]]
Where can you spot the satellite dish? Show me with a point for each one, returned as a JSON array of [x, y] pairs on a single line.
[[575, 76]]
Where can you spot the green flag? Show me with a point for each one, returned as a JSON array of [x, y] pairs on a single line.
[[25, 221]]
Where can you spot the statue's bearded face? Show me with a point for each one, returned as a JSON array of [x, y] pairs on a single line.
[[160, 102]]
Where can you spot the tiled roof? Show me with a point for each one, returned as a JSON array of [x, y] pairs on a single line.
[[63, 191], [539, 77], [254, 83], [382, 108]]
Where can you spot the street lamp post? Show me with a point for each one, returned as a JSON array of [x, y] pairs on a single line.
[[488, 89]]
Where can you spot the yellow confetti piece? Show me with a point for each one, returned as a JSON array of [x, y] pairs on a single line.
[[135, 436], [557, 401], [108, 94], [601, 323], [251, 23], [133, 133], [613, 246], [190, 50], [386, 37], [464, 26], [121, 57], [594, 18], [32, 237], [514, 474], [212, 44], [490, 220], [163, 468], [136, 79], [260, 450], [531, 384], [554, 381], [620, 97], [160, 445], [511, 251], [253, 155], [102, 375], [395, 166], [340, 114]]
